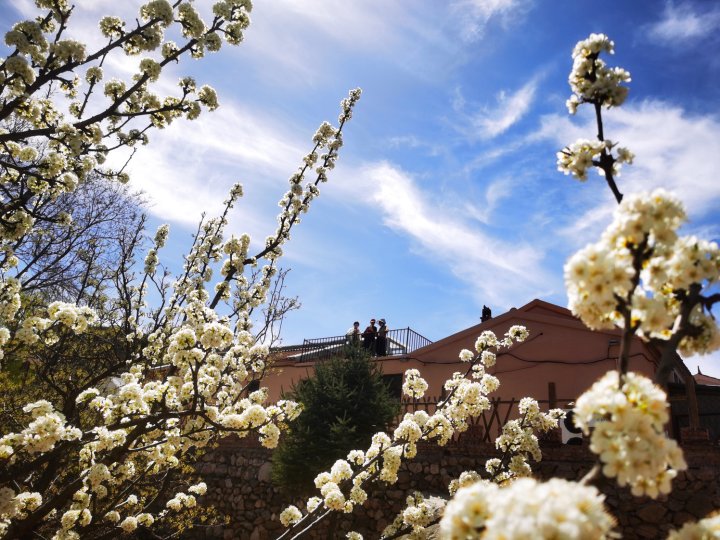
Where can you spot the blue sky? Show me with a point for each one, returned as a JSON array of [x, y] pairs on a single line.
[[446, 196]]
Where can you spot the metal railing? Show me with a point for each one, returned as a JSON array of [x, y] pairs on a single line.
[[397, 342]]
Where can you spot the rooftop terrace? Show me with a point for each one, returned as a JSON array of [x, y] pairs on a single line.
[[400, 342]]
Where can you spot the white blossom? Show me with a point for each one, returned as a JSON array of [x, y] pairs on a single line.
[[290, 516], [591, 80], [705, 529], [414, 385], [628, 433]]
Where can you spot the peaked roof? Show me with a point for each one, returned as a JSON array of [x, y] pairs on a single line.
[[707, 380], [534, 310]]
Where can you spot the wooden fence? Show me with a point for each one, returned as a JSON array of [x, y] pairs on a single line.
[[487, 426]]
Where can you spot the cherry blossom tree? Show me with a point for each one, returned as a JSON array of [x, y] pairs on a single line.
[[159, 381], [640, 276]]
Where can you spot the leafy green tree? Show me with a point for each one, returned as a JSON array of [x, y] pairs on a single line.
[[344, 404]]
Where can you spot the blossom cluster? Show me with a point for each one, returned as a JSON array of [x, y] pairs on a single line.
[[414, 386], [519, 441], [591, 80], [627, 423], [60, 314], [644, 278], [583, 154], [320, 160], [641, 264], [10, 303], [594, 83], [47, 428], [202, 373], [419, 512], [16, 505], [706, 528], [208, 366], [526, 509]]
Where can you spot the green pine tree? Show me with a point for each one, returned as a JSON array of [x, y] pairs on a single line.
[[344, 403]]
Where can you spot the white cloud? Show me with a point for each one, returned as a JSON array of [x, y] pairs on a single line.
[[499, 272], [475, 15], [189, 167], [429, 147], [359, 24], [510, 109], [458, 100], [495, 192], [683, 23], [313, 39], [489, 156]]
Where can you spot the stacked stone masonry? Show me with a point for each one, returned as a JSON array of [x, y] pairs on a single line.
[[239, 485]]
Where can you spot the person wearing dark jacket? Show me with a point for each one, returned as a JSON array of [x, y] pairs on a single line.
[[381, 340], [369, 335]]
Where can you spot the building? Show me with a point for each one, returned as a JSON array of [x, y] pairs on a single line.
[[560, 359]]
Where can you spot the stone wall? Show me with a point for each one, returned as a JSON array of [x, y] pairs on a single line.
[[238, 478]]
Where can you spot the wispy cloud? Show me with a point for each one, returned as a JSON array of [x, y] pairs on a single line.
[[475, 15], [509, 110], [309, 40], [458, 100], [431, 148], [489, 121], [487, 157], [499, 271], [684, 23], [497, 191]]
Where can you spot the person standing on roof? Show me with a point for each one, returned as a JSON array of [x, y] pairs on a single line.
[[369, 335], [381, 340], [353, 335]]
